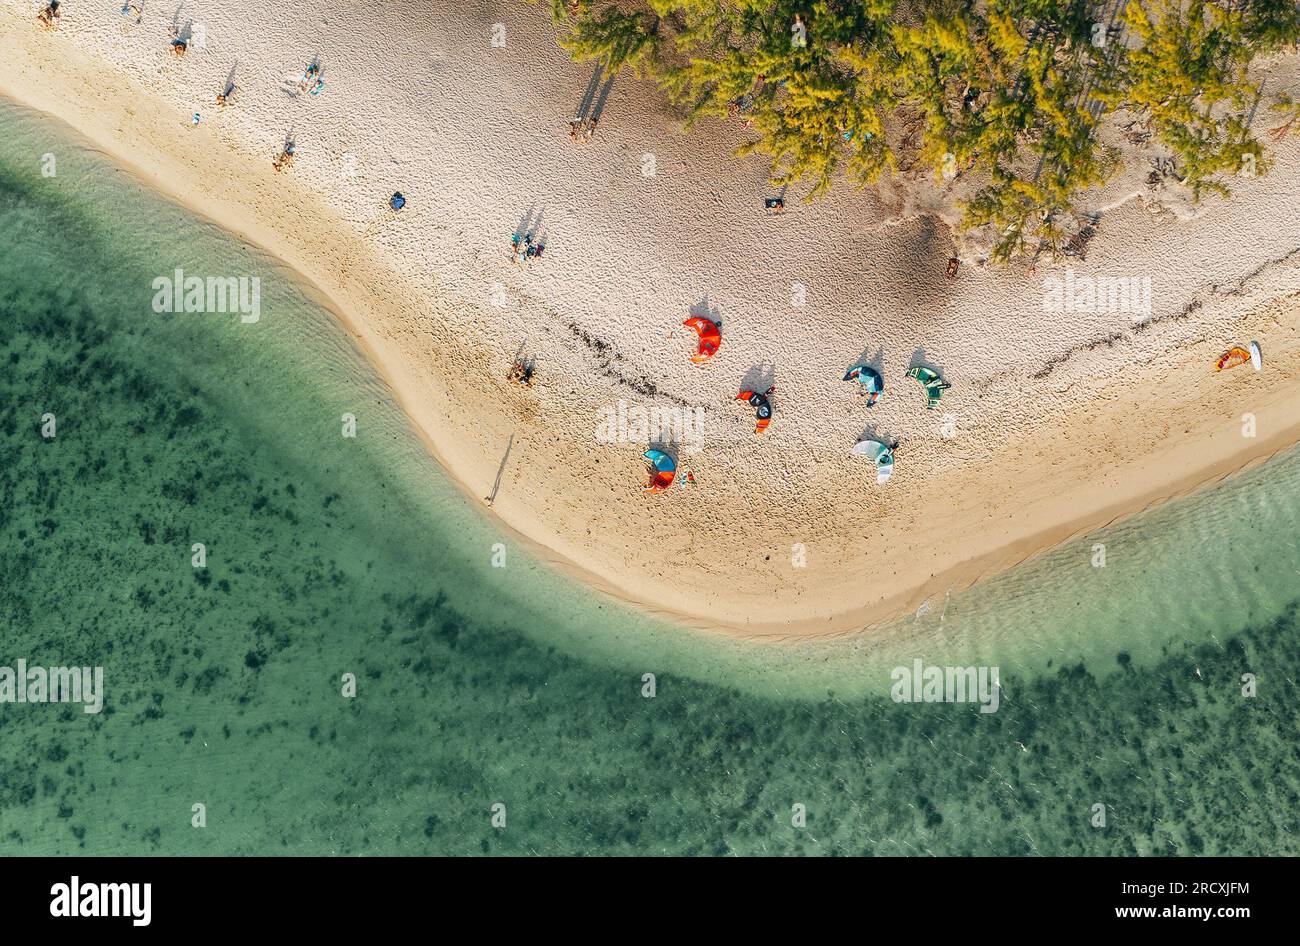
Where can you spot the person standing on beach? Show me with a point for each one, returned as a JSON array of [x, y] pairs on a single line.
[[179, 42], [49, 17], [286, 156]]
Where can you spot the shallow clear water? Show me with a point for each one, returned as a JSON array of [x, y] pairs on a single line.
[[478, 685]]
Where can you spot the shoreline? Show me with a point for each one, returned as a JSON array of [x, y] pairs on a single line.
[[360, 289]]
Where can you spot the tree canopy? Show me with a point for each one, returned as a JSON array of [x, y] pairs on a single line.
[[1011, 91]]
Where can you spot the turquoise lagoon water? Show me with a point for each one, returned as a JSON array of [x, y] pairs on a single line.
[[481, 686]]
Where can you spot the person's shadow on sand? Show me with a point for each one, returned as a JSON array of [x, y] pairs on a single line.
[[707, 310], [875, 362], [759, 378], [875, 432], [920, 359], [530, 223], [580, 114]]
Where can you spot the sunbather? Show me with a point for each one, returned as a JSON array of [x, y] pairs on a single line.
[[310, 79], [49, 17]]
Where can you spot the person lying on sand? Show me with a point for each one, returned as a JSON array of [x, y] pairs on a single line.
[[310, 80], [49, 17], [952, 267]]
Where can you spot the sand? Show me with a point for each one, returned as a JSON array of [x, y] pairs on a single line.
[[1056, 422]]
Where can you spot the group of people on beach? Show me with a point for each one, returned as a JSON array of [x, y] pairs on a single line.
[[524, 248], [581, 129], [311, 82]]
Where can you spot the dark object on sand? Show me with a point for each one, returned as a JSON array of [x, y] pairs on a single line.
[[774, 205], [397, 201], [952, 267]]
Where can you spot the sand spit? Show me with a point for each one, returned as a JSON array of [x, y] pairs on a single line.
[[1060, 417]]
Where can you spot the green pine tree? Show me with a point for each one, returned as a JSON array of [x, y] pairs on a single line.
[[1011, 91]]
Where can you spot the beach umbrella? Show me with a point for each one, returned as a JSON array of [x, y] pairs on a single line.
[[662, 470], [710, 338], [879, 454], [870, 380]]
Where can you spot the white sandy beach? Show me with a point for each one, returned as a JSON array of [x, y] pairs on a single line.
[[1056, 422]]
